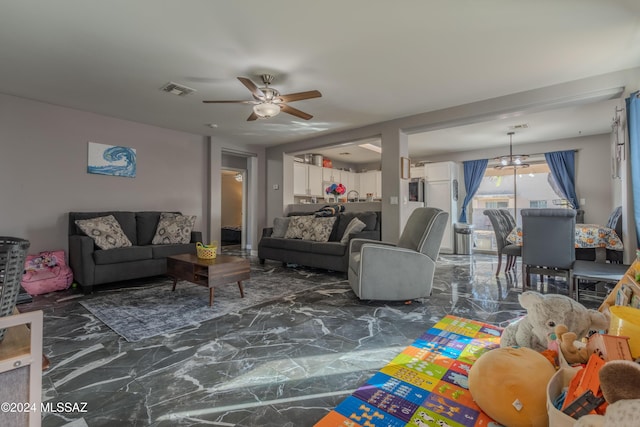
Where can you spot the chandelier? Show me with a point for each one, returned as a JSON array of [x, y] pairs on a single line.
[[512, 161]]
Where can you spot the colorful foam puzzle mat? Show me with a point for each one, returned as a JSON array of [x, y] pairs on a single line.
[[426, 384]]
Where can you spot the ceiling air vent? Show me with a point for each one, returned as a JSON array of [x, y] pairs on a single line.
[[522, 126], [177, 89]]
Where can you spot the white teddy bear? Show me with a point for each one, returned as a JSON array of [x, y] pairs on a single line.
[[544, 313]]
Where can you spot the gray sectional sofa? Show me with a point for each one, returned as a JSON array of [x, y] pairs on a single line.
[[331, 255], [94, 266]]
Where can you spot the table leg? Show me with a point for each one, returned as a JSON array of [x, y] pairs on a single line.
[[175, 282], [241, 290], [210, 296]]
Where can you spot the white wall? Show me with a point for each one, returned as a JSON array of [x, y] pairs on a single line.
[[43, 163]]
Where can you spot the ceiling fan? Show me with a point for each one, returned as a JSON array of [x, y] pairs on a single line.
[[268, 102]]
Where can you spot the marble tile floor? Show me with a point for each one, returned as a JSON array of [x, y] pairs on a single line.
[[278, 364]]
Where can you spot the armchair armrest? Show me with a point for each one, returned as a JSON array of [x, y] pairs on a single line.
[[382, 265], [370, 235], [267, 231], [196, 236], [355, 245], [81, 259]]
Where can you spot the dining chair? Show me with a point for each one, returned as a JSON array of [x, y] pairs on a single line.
[[403, 271], [615, 256], [596, 272], [503, 222], [548, 243], [615, 222]]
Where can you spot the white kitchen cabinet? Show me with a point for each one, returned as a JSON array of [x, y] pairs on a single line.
[[300, 172], [417, 172], [330, 175], [371, 182], [440, 171], [307, 180], [314, 181]]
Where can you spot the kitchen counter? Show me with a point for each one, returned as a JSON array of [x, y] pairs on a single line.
[[349, 207]]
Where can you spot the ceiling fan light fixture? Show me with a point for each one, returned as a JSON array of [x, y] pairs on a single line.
[[266, 110]]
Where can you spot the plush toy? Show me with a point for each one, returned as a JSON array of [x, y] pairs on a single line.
[[509, 385], [620, 385], [544, 313], [567, 343]]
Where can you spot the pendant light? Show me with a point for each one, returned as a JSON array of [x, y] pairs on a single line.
[[512, 161]]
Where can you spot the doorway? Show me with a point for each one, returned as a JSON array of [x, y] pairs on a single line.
[[233, 206]]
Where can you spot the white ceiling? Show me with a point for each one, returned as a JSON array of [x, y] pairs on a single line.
[[373, 60]]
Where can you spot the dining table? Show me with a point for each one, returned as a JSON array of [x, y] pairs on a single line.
[[587, 236]]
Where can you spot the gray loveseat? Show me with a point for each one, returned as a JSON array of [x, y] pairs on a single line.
[[330, 255], [94, 266]]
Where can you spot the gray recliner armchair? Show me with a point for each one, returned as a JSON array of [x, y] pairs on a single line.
[[384, 271]]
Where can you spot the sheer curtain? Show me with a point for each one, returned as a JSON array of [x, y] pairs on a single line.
[[473, 174], [563, 169]]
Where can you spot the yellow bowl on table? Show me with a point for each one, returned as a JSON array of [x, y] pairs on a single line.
[[625, 322], [206, 251]]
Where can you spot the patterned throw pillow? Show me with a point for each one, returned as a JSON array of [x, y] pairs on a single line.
[[355, 226], [321, 229], [298, 226], [310, 228], [105, 231], [173, 228]]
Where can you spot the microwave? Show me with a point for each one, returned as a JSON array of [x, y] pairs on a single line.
[[416, 190]]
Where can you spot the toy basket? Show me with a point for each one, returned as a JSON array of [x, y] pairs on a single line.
[[206, 251], [13, 251]]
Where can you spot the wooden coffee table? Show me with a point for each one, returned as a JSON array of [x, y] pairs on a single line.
[[208, 272]]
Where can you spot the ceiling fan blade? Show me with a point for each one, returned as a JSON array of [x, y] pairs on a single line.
[[253, 116], [295, 112], [300, 96], [228, 102], [252, 87]]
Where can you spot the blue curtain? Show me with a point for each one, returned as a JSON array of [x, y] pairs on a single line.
[[563, 170], [473, 174], [633, 124]]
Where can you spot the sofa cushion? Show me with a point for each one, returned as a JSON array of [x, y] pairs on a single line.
[[173, 228], [146, 225], [310, 228], [280, 226], [105, 232], [298, 226], [131, 253], [369, 218], [355, 226], [288, 244], [329, 248], [126, 219], [163, 251]]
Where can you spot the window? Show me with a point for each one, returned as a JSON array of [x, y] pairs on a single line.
[[534, 189], [491, 204]]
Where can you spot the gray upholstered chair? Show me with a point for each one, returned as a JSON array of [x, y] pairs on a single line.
[[384, 271], [614, 222], [548, 243], [503, 222], [593, 271]]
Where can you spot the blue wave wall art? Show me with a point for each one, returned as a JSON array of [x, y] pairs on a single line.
[[111, 160]]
